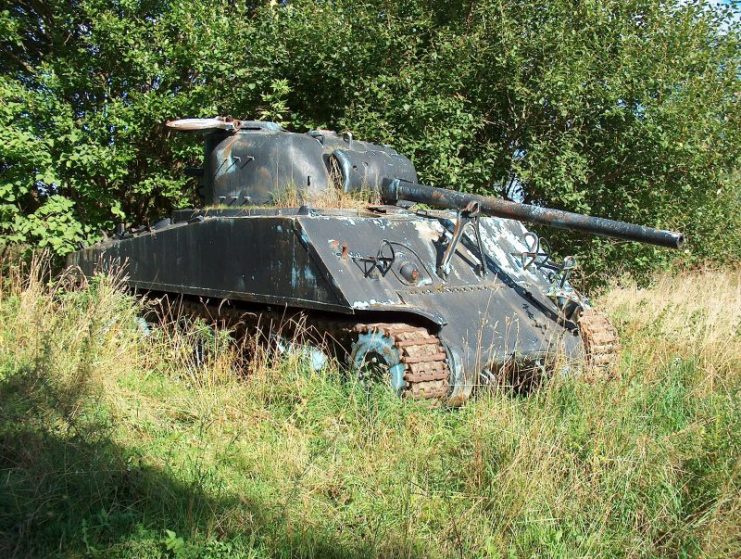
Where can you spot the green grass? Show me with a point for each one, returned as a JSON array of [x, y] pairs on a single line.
[[113, 444]]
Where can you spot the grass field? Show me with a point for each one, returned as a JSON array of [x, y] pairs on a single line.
[[113, 444]]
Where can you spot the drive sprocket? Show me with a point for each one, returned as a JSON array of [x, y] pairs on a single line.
[[415, 358]]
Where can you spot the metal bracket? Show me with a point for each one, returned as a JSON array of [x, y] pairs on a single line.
[[377, 266], [566, 298], [465, 217], [538, 254], [560, 278]]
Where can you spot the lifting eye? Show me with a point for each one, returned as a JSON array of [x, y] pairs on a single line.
[[410, 272]]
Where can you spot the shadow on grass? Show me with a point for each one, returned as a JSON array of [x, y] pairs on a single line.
[[68, 489]]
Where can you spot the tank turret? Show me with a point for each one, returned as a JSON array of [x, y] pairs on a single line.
[[251, 162]]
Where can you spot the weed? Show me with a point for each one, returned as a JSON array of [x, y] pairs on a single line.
[[121, 442]]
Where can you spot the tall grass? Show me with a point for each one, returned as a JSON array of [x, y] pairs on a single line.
[[114, 443]]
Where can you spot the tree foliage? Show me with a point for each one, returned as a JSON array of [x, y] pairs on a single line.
[[627, 109]]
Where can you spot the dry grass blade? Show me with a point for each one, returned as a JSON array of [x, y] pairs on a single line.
[[114, 441]]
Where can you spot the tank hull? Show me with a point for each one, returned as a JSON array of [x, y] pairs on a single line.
[[356, 264]]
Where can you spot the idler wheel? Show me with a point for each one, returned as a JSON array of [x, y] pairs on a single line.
[[410, 360]]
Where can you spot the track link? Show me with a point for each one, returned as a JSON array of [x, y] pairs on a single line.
[[426, 370], [601, 344], [425, 361]]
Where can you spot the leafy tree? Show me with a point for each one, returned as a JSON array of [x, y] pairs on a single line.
[[622, 108]]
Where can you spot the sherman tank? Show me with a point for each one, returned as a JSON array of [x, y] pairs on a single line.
[[426, 289]]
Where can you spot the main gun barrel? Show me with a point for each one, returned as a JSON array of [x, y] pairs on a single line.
[[394, 190]]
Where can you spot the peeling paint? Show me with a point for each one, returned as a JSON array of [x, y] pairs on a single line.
[[309, 275], [430, 229], [294, 277], [500, 241], [360, 305]]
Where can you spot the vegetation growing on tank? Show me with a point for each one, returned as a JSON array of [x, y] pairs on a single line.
[[333, 197]]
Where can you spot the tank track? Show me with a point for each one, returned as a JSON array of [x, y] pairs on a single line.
[[425, 360], [427, 372], [601, 344], [315, 329]]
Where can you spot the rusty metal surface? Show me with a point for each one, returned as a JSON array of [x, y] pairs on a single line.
[[484, 319], [249, 162], [601, 344], [256, 259], [396, 189], [256, 165]]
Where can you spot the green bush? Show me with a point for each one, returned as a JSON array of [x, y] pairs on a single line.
[[625, 109]]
